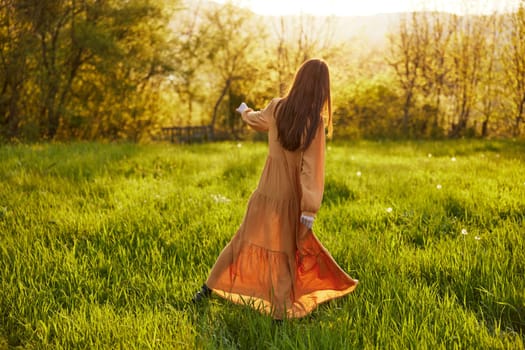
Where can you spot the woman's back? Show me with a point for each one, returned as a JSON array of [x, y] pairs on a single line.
[[274, 262]]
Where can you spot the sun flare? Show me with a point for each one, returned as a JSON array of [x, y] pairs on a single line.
[[370, 7]]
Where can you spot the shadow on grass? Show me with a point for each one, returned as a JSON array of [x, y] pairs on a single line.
[[222, 324]]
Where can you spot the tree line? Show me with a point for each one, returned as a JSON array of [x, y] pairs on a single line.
[[460, 76], [111, 69]]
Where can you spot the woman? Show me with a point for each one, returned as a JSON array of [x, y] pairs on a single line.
[[274, 263]]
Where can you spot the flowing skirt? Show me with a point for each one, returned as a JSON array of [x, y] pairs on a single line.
[[274, 263]]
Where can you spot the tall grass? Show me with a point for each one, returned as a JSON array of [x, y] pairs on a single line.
[[103, 246]]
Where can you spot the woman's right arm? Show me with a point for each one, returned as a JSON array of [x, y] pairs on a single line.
[[259, 120]]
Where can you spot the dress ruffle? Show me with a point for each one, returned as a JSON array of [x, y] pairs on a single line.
[[264, 280], [270, 267]]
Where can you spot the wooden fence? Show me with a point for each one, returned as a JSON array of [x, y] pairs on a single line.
[[187, 134]]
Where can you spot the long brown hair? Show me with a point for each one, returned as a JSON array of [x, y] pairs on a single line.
[[299, 113]]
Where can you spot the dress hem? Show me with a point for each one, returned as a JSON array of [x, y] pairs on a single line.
[[298, 309]]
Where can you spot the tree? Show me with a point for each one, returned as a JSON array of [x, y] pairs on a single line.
[[15, 43], [52, 23], [514, 63], [491, 82], [190, 56], [468, 46], [230, 33], [407, 58], [437, 70], [299, 38], [81, 68]]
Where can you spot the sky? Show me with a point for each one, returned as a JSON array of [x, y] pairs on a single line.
[[371, 7]]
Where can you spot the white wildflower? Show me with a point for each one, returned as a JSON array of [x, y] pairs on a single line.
[[453, 159], [430, 155], [477, 238], [219, 198], [464, 232], [389, 210], [438, 186], [358, 174], [239, 145]]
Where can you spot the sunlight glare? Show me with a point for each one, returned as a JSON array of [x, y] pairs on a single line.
[[370, 7]]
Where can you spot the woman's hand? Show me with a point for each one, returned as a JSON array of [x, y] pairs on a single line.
[[242, 108], [307, 221]]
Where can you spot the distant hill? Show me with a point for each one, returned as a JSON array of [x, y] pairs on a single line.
[[372, 29]]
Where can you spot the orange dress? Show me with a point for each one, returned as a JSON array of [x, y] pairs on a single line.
[[274, 263]]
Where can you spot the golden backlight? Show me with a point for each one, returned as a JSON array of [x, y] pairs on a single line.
[[371, 7]]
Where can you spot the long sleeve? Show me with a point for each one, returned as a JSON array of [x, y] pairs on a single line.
[[259, 120], [312, 174]]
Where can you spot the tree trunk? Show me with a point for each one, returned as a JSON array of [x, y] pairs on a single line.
[[435, 125], [406, 111], [519, 118], [13, 115], [218, 103]]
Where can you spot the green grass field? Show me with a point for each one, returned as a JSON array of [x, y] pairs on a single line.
[[103, 246]]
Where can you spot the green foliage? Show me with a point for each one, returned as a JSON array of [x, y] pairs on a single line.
[[84, 69], [103, 245], [119, 70], [368, 108], [465, 73]]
